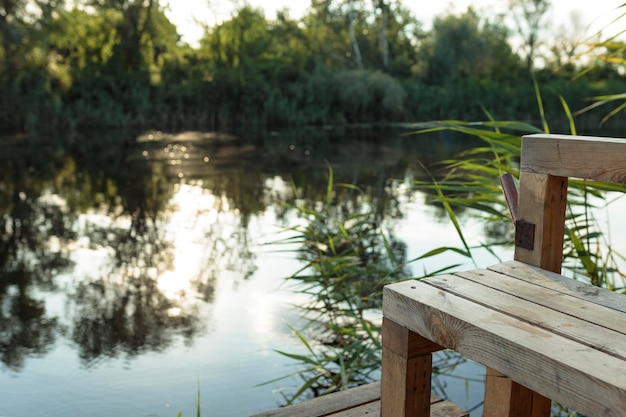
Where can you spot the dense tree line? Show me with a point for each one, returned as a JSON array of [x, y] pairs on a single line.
[[98, 63]]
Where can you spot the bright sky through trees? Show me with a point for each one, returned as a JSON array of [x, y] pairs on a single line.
[[184, 13]]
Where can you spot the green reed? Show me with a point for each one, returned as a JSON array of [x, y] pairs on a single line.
[[348, 257], [470, 183]]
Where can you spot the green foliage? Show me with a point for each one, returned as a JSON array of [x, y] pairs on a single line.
[[121, 64], [464, 46], [366, 95], [348, 259], [471, 183]]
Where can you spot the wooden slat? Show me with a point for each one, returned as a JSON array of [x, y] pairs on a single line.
[[371, 409], [440, 409], [562, 284], [512, 302], [547, 299], [593, 158], [356, 402], [587, 380], [325, 405]]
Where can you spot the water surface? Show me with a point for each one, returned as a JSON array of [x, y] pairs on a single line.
[[134, 272]]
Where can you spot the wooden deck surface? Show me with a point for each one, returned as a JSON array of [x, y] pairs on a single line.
[[362, 401]]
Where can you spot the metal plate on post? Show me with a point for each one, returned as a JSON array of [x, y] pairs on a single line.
[[524, 234]]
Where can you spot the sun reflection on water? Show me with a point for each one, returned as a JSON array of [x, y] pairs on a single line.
[[201, 228], [192, 208]]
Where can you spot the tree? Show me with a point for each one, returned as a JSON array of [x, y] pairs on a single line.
[[463, 46], [11, 30], [529, 17], [383, 25], [135, 30]]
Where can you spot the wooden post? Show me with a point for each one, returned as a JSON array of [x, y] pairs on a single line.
[[406, 382], [542, 203]]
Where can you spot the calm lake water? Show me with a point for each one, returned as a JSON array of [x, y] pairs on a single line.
[[134, 275]]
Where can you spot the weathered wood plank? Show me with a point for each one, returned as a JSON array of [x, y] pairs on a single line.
[[585, 379], [593, 158], [569, 304], [356, 402], [557, 313], [441, 409], [325, 405], [556, 282]]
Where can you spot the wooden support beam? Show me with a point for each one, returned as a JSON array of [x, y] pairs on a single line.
[[406, 382], [504, 397], [542, 202]]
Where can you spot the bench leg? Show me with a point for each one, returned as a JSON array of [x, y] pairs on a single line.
[[506, 398], [406, 372]]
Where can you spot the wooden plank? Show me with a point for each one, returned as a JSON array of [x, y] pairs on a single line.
[[441, 409], [542, 202], [371, 409], [406, 379], [569, 304], [447, 409], [593, 158], [589, 381], [512, 302], [355, 402], [556, 282], [404, 343], [327, 404]]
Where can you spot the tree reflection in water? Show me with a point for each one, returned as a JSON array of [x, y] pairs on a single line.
[[32, 240], [166, 238]]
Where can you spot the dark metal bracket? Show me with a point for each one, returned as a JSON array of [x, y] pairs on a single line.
[[524, 234]]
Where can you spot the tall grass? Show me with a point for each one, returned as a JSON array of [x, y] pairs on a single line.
[[348, 258], [471, 183]]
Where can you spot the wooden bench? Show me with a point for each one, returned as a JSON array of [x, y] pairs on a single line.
[[541, 336]]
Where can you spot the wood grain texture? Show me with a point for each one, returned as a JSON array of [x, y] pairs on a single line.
[[439, 409], [542, 202], [581, 320], [589, 381], [405, 343], [328, 404], [559, 283], [592, 158], [356, 402], [407, 364], [505, 397]]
